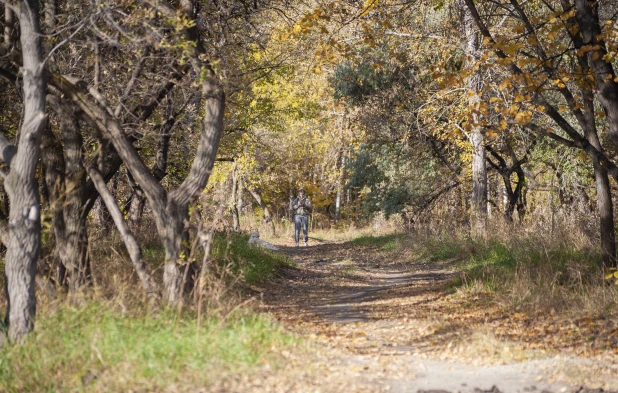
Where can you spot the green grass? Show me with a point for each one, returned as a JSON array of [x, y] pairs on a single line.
[[495, 263], [256, 264], [442, 249], [134, 350], [386, 242]]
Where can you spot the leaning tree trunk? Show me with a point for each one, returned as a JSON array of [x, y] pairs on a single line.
[[135, 252], [21, 183]]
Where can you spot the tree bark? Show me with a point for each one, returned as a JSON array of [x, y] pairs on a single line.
[[587, 17], [233, 208], [52, 159], [135, 252], [478, 200], [76, 257], [21, 183], [241, 194], [9, 23], [340, 185], [603, 188]]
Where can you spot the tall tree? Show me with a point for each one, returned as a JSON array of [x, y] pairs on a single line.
[[24, 243]]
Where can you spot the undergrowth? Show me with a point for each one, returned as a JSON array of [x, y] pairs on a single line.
[[110, 340], [526, 273], [102, 346], [255, 264], [517, 271]]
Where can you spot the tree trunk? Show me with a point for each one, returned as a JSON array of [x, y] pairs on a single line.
[[478, 200], [76, 257], [21, 183], [135, 253], [176, 261], [340, 186], [603, 188], [52, 159], [587, 16], [233, 208], [9, 23], [241, 192]]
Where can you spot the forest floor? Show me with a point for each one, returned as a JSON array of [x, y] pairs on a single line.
[[376, 318]]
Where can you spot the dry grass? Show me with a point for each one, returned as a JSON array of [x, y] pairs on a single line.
[[526, 267], [111, 338]]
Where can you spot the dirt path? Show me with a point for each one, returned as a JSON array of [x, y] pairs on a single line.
[[381, 325]]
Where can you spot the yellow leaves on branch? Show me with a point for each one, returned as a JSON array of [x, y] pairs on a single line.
[[368, 6], [523, 118]]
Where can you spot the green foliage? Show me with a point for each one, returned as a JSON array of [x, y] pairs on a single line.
[[358, 81], [254, 263], [495, 263], [442, 249], [388, 183], [386, 242], [117, 350]]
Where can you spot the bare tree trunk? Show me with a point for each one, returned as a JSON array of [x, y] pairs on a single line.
[[234, 209], [587, 16], [135, 253], [21, 183], [339, 196], [159, 170], [241, 192], [53, 175], [9, 23], [478, 199], [77, 257], [603, 188], [50, 13]]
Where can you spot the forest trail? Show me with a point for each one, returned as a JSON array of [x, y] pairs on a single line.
[[382, 325]]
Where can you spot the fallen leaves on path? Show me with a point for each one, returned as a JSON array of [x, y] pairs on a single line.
[[384, 305]]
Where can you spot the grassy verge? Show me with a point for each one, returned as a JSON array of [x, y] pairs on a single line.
[[390, 242], [112, 341], [255, 264], [103, 347], [524, 273]]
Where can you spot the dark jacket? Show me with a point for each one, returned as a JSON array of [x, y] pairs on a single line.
[[301, 207]]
